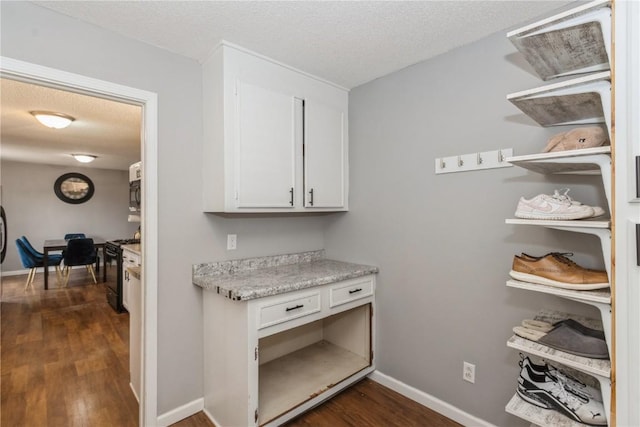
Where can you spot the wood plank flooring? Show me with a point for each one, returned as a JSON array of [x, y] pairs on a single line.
[[365, 404], [64, 355], [64, 358]]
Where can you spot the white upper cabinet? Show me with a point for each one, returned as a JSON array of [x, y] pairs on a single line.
[[275, 139], [265, 149], [324, 155]]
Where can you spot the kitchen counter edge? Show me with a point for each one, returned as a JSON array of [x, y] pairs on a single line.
[[278, 279]]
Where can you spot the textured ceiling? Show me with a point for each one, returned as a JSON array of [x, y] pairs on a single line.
[[107, 129], [346, 42]]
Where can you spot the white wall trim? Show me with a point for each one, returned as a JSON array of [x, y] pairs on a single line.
[[25, 71], [181, 412], [25, 271], [429, 401]]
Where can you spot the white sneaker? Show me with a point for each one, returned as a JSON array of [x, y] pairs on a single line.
[[575, 385], [546, 392], [543, 206], [597, 210]]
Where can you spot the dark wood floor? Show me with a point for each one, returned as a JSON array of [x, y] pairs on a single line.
[[64, 358], [366, 404], [64, 355]]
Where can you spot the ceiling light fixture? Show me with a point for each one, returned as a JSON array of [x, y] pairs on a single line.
[[84, 158], [53, 120]]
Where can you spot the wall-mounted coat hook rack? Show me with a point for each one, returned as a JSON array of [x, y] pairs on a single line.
[[474, 161]]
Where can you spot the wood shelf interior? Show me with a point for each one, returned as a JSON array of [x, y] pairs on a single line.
[[572, 161], [596, 367], [582, 225], [538, 416], [300, 363], [601, 296], [581, 101], [572, 42]]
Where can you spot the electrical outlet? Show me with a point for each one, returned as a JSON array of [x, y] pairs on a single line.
[[469, 372], [232, 242]]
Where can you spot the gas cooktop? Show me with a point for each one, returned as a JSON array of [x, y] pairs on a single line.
[[120, 242]]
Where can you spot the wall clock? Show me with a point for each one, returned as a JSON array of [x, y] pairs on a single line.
[[73, 188]]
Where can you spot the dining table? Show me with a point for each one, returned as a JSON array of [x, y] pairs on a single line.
[[53, 245]]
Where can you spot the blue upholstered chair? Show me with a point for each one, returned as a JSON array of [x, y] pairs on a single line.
[[52, 259], [79, 252], [28, 261]]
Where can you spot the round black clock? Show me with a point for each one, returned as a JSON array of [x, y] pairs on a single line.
[[73, 188]]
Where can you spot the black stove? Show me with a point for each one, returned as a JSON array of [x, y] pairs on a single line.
[[113, 250]]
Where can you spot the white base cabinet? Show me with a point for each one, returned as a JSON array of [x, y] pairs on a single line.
[[269, 359], [275, 138]]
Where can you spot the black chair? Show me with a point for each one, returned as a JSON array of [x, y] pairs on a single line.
[[52, 259], [79, 252]]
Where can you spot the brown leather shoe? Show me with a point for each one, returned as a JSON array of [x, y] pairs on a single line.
[[556, 269]]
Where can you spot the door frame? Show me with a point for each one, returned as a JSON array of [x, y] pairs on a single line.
[[33, 73]]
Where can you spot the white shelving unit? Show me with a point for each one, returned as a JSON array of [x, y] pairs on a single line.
[[573, 42], [595, 160], [576, 41], [600, 369], [581, 101]]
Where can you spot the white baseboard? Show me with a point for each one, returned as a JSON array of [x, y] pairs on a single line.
[[429, 401], [181, 413], [406, 390], [25, 271], [211, 418]]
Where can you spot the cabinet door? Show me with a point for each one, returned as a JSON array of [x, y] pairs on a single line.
[[324, 155], [265, 148]]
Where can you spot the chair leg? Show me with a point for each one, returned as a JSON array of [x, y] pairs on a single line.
[[30, 277], [93, 274], [66, 274], [58, 275]]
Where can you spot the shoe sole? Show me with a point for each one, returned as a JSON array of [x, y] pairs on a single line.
[[532, 399], [532, 278], [553, 217]]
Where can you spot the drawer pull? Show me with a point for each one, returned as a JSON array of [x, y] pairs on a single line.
[[353, 291], [295, 307]]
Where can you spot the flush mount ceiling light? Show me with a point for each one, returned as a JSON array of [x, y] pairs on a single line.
[[53, 120], [84, 158]]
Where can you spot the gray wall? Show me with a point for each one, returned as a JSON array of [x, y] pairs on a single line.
[[33, 210], [440, 241], [186, 235]]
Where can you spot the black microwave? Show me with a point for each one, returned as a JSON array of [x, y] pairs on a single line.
[[135, 199]]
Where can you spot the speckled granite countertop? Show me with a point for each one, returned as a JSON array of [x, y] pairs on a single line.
[[252, 278], [134, 247]]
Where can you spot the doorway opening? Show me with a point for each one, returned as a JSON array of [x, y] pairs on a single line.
[[49, 77]]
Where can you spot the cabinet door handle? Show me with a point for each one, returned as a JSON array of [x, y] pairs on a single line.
[[295, 307], [353, 291], [638, 245], [311, 197], [291, 196], [638, 177]]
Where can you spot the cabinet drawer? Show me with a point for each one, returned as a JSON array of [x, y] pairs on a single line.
[[350, 291], [283, 311]]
